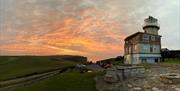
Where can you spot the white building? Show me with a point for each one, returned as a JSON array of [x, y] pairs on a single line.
[[144, 47]]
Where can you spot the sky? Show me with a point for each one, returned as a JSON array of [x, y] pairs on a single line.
[[92, 28]]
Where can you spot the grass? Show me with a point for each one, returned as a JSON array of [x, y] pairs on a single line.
[[12, 67], [68, 81], [118, 62], [172, 61]]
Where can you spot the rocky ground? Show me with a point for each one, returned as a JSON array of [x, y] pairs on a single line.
[[151, 81]]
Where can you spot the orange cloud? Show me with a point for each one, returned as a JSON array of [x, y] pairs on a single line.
[[89, 33]]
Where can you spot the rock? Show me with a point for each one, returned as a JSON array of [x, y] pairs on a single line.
[[146, 86], [170, 78], [177, 89], [156, 89], [110, 78], [120, 76], [129, 85], [127, 73], [155, 75], [137, 89], [173, 86], [152, 78]]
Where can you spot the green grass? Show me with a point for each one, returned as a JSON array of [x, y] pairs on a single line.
[[12, 67], [172, 61], [118, 62], [68, 81]]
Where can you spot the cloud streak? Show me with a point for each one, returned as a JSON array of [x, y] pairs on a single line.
[[93, 28]]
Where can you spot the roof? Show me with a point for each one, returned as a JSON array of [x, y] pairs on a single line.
[[150, 18], [137, 33], [131, 36]]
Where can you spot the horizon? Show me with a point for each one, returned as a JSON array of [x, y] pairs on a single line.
[[91, 28]]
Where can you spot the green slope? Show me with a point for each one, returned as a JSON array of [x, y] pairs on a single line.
[[12, 67], [69, 81], [172, 61]]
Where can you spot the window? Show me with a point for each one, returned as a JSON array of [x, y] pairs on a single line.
[[151, 49], [145, 37], [145, 47], [155, 48], [153, 38], [156, 60]]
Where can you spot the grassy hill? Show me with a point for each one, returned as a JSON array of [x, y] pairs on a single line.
[[17, 66]]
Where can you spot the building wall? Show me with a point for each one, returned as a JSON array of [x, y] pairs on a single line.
[[138, 58], [147, 48], [127, 59], [142, 48], [143, 43]]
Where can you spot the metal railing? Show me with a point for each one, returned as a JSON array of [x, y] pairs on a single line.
[[151, 24]]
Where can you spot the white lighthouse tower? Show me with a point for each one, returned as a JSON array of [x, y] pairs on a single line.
[[151, 25]]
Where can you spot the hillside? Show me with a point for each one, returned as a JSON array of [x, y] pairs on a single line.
[[18, 66], [115, 61], [68, 81]]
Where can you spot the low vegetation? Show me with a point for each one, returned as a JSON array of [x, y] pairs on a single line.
[[171, 61], [18, 66], [68, 81]]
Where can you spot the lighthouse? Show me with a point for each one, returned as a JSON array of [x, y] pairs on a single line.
[[151, 26], [144, 47]]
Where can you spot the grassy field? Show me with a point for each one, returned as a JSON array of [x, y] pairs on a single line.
[[12, 67], [172, 61], [68, 81]]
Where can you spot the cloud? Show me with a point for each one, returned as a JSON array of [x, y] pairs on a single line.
[[93, 28]]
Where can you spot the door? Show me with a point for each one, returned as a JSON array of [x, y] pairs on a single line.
[[156, 60]]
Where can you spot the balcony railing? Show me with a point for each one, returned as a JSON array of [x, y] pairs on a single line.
[[151, 24]]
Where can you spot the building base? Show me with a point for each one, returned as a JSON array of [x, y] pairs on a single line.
[[142, 58]]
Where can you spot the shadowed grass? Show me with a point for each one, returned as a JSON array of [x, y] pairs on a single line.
[[12, 67], [172, 61], [68, 81]]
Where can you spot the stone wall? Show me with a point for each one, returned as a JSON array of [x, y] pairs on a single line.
[[120, 73]]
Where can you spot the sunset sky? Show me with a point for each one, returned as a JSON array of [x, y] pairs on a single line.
[[92, 28]]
